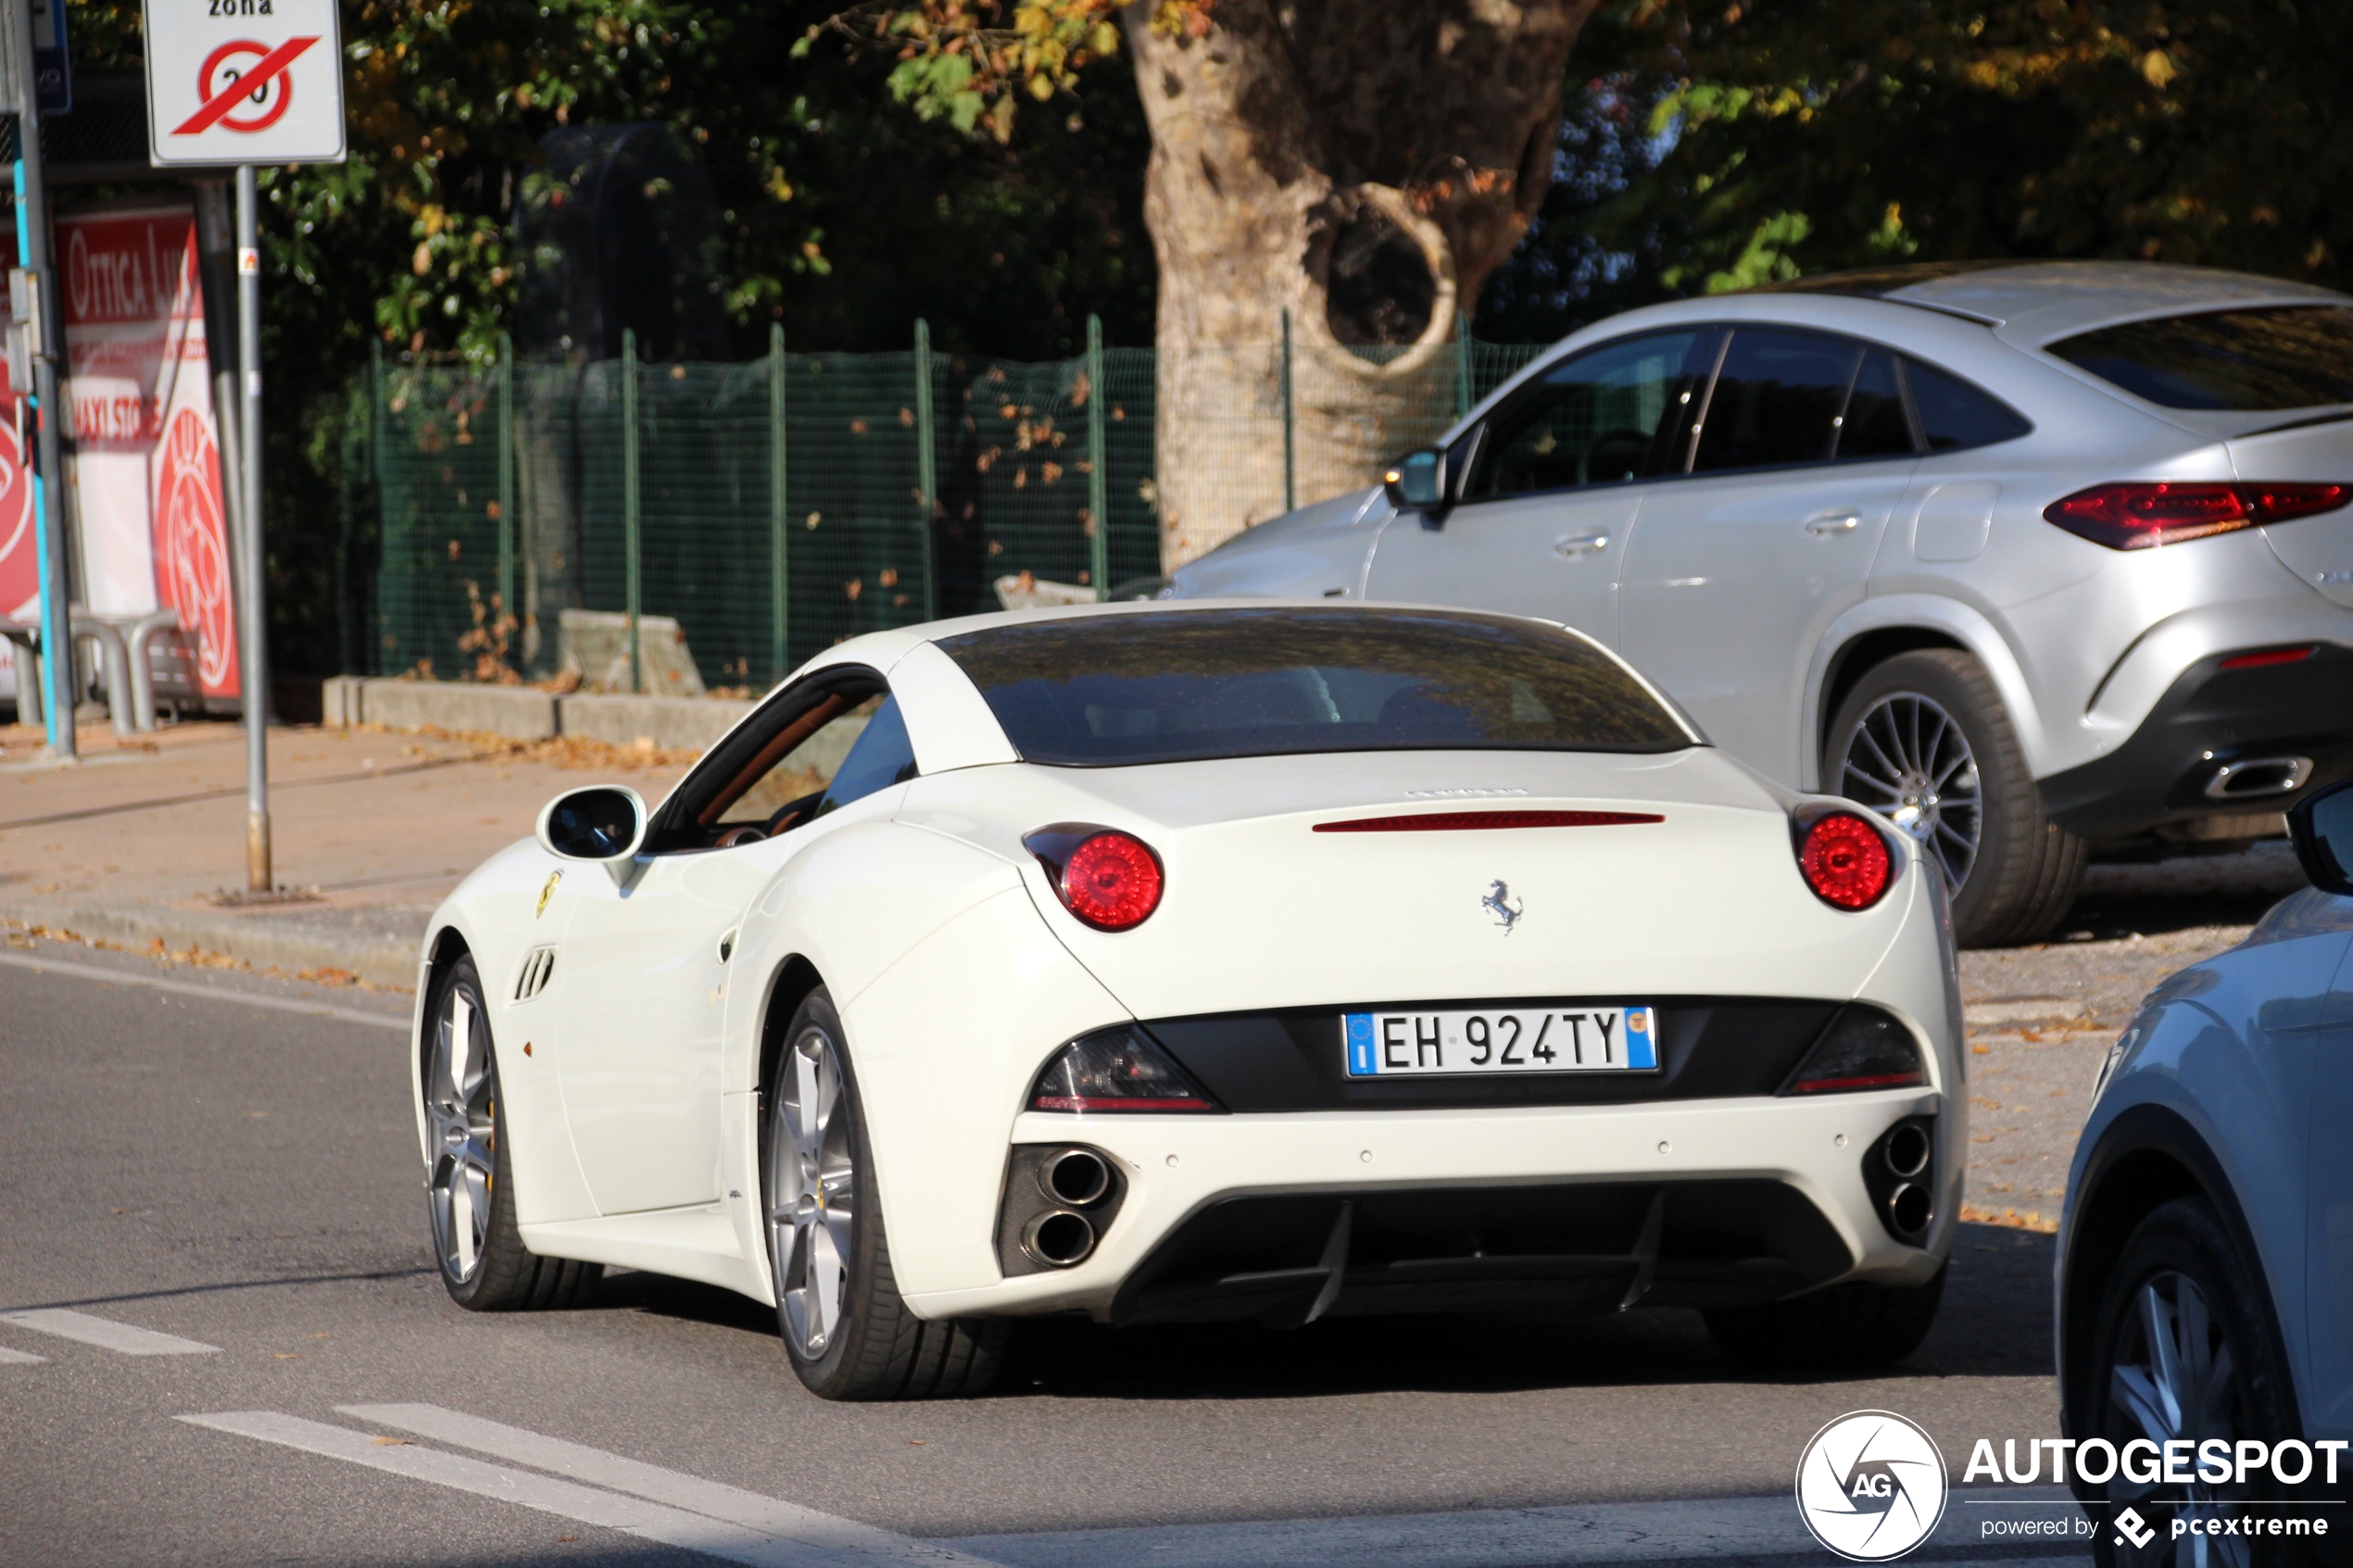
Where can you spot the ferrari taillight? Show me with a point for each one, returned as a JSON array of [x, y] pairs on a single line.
[[1119, 1069], [2141, 516], [1844, 860], [1109, 879], [1862, 1049]]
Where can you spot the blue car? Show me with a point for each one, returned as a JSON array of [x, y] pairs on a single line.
[[2206, 1260]]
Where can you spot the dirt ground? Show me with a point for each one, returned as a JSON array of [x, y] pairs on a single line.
[[2042, 1017]]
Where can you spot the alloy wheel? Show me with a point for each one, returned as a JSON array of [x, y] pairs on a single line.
[[2173, 1377], [812, 1193], [461, 1093], [1907, 760]]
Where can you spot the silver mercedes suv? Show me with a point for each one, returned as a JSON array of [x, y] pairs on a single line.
[[2042, 560]]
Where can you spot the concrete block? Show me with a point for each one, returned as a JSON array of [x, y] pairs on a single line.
[[340, 704], [596, 647], [517, 712], [672, 722]]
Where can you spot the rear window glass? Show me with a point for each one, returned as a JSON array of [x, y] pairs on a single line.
[[1173, 686], [1955, 415], [2299, 357]]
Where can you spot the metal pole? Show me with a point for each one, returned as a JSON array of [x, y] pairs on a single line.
[[49, 490], [629, 497], [779, 566], [253, 680], [506, 605], [1462, 365], [372, 656], [926, 471], [1290, 461], [1098, 481]]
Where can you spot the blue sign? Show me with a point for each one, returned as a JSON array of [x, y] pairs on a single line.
[[52, 65]]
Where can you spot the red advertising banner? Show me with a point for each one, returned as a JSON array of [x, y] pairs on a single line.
[[144, 468], [19, 557]]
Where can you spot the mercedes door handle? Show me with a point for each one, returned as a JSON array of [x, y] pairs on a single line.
[[1824, 527], [1575, 545]]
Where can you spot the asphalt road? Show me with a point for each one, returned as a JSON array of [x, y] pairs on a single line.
[[235, 1169]]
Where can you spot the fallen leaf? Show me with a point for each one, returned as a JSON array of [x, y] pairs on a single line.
[[402, 1443]]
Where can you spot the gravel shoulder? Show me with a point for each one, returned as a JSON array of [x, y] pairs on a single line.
[[2042, 1017]]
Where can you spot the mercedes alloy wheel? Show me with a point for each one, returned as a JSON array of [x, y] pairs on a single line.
[[1907, 760]]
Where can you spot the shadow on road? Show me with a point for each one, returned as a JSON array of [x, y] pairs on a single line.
[[2186, 892], [1996, 1321]]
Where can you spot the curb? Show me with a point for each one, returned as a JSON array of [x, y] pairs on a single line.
[[266, 941]]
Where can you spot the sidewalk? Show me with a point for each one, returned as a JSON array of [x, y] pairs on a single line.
[[130, 845]]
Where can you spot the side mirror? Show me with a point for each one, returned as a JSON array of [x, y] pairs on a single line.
[[603, 822], [2321, 829], [1417, 483]]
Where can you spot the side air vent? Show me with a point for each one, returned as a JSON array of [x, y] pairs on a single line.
[[538, 967]]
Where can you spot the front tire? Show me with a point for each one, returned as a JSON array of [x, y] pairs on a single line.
[[2184, 1349], [848, 1333], [1923, 739], [469, 1186], [1855, 1324]]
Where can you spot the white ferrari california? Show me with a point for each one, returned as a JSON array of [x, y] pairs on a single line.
[[1181, 963]]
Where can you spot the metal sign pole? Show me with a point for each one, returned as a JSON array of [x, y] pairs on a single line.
[[272, 93], [32, 218], [253, 678]]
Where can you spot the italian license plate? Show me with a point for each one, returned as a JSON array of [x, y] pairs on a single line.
[[1581, 1039]]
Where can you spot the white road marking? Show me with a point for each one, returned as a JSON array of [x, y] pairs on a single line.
[[671, 1526], [194, 988], [19, 1358], [106, 1333], [840, 1541], [1702, 1530]]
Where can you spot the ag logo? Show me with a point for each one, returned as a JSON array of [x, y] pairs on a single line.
[[1870, 1486]]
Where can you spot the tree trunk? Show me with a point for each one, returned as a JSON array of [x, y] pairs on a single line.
[[1363, 164]]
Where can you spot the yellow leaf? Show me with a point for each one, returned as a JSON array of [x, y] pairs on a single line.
[[2158, 66]]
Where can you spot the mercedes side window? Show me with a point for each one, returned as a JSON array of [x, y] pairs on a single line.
[[1954, 415], [1776, 401], [1610, 415], [1874, 424]]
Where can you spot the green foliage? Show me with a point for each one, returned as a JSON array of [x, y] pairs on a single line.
[[1806, 135], [845, 217]]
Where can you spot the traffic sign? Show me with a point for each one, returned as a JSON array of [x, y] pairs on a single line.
[[52, 64], [243, 82]]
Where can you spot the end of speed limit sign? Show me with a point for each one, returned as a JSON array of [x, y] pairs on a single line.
[[243, 82]]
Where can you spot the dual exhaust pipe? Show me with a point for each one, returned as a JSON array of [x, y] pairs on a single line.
[[1905, 1152], [1071, 1179]]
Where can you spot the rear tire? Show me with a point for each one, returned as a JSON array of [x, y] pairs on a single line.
[[850, 1334], [1855, 1324], [469, 1186], [1964, 791], [2184, 1349]]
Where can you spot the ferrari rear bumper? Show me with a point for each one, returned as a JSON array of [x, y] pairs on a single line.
[[1285, 1217]]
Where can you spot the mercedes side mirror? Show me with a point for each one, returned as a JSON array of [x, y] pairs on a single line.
[[603, 822], [1417, 483], [2321, 829]]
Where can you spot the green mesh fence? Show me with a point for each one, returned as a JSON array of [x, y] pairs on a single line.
[[506, 522]]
